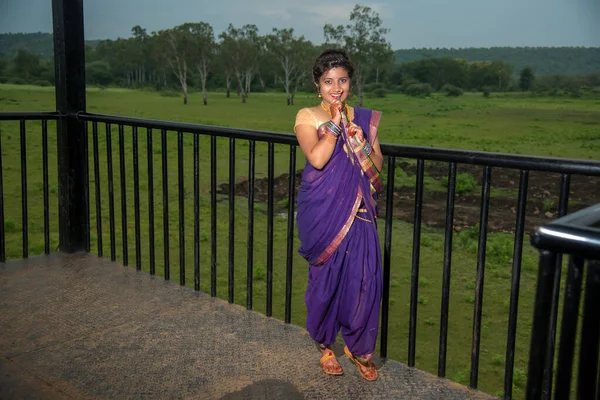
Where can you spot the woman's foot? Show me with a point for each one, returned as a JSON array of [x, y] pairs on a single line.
[[328, 362], [365, 366]]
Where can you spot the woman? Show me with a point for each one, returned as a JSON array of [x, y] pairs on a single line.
[[336, 217]]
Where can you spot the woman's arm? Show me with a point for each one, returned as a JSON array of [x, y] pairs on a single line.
[[317, 151], [376, 155]]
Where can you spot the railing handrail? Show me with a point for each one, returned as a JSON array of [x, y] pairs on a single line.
[[491, 159], [502, 160], [534, 163], [572, 234], [29, 115], [237, 133]]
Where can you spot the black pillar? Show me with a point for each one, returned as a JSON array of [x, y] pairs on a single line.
[[69, 62]]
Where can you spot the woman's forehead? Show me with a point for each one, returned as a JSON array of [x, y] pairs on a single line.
[[337, 72]]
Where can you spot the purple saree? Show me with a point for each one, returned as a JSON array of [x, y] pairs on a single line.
[[338, 236]]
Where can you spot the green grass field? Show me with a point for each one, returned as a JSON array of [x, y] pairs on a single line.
[[511, 123]]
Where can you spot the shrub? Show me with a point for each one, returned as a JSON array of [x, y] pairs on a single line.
[[576, 93], [257, 88], [452, 90], [170, 93], [10, 226], [465, 183], [371, 87], [419, 89], [408, 82], [260, 272], [379, 93], [41, 83], [548, 205], [17, 81]]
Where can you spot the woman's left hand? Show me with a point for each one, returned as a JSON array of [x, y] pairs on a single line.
[[355, 130]]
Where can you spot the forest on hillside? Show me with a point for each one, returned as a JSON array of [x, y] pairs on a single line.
[[543, 60]]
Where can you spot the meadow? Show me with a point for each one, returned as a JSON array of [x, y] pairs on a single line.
[[507, 123]]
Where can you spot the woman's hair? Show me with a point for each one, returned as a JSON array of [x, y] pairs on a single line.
[[331, 58]]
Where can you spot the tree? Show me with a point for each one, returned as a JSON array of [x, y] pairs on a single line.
[[175, 44], [495, 74], [526, 78], [98, 73], [501, 71], [202, 41], [241, 48], [383, 60], [2, 66], [364, 39], [26, 65], [138, 46], [156, 58], [437, 71], [293, 54], [478, 74]]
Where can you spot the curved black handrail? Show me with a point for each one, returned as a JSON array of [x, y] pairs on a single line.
[[576, 234]]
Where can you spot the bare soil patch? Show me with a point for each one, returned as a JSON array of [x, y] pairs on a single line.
[[542, 197]]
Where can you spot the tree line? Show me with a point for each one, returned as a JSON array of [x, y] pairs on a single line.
[[543, 60], [191, 57]]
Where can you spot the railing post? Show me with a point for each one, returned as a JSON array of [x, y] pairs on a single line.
[[541, 325], [69, 62]]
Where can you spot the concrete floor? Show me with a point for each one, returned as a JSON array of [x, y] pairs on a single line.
[[78, 326]]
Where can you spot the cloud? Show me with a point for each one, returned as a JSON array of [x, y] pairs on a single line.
[[279, 14], [412, 23]]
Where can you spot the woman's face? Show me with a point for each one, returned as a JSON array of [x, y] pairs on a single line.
[[334, 84]]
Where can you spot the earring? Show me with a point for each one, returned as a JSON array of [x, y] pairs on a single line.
[[319, 94]]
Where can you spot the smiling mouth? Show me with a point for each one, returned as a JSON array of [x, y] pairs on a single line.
[[336, 95]]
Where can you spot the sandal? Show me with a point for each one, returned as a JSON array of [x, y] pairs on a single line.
[[329, 371], [370, 374]]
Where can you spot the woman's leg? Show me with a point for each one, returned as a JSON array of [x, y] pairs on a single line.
[[361, 286], [322, 303]]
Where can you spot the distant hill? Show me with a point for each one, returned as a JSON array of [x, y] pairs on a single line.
[[39, 43], [36, 43], [543, 60]]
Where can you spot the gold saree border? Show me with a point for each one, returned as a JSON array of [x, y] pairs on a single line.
[[373, 125]]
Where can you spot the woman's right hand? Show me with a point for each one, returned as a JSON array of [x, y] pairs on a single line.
[[335, 108]]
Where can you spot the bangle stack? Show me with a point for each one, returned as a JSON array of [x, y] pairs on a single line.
[[333, 129], [368, 149]]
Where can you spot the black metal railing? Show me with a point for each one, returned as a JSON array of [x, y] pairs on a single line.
[[488, 161], [129, 130], [23, 118], [578, 236], [183, 129]]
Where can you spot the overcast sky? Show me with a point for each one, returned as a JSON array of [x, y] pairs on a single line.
[[412, 23]]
